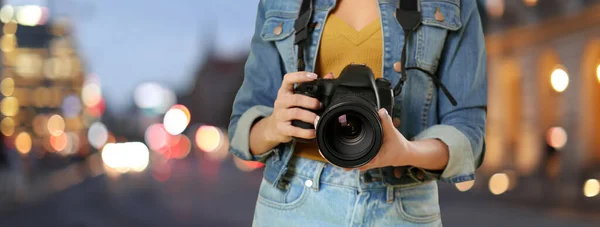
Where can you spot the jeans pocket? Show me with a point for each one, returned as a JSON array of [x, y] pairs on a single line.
[[291, 195], [419, 204]]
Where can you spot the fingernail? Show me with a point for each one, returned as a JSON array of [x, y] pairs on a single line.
[[384, 111], [316, 121], [320, 106], [311, 75]]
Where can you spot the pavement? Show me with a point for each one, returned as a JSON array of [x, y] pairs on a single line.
[[195, 195]]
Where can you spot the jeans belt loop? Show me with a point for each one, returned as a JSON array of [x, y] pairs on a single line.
[[317, 175], [412, 175], [390, 194]]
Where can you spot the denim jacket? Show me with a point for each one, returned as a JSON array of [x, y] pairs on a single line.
[[450, 45]]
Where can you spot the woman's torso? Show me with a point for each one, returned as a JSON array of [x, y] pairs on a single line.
[[351, 34], [416, 105]]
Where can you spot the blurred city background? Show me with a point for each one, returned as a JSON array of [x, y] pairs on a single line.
[[115, 113]]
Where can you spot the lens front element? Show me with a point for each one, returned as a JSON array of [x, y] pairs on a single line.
[[349, 134]]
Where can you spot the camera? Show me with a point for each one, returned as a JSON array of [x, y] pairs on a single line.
[[349, 132]]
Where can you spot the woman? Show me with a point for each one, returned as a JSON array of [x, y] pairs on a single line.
[[442, 106]]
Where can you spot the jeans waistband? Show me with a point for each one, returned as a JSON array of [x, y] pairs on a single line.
[[324, 173]]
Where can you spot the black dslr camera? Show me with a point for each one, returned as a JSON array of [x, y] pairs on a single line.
[[349, 131]]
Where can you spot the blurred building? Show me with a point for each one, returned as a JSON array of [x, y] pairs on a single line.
[[544, 98], [45, 108], [218, 78]]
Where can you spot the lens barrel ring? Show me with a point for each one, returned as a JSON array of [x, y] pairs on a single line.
[[358, 106]]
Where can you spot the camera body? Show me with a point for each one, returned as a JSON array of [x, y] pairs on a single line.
[[349, 132]]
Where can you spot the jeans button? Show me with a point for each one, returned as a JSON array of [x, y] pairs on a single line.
[[308, 183], [277, 30], [398, 66]]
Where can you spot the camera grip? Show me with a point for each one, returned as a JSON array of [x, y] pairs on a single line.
[[303, 125]]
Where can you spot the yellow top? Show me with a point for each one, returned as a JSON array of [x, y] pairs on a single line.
[[341, 45]]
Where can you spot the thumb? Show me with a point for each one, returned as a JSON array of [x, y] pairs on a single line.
[[329, 76], [386, 119]]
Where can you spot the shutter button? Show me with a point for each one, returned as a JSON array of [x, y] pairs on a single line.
[[277, 30], [308, 183]]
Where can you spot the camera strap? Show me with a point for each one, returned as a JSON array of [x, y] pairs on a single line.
[[408, 15], [301, 28]]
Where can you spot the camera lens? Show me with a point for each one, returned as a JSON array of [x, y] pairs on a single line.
[[349, 133], [349, 129]]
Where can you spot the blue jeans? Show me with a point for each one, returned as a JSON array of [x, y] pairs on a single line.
[[318, 194]]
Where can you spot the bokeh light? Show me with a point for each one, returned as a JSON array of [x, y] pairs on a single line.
[[7, 86], [246, 166], [161, 171], [495, 8], [598, 72], [465, 186], [9, 106], [181, 148], [10, 28], [59, 142], [221, 153], [125, 157], [209, 138], [97, 135], [56, 125], [31, 15], [7, 126], [153, 97], [23, 142], [91, 94], [71, 106], [591, 188], [156, 136], [559, 80], [97, 110], [8, 43], [176, 120], [72, 144], [557, 137], [499, 183], [40, 123], [530, 2], [7, 13]]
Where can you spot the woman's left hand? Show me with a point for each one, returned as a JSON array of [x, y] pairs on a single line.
[[395, 149]]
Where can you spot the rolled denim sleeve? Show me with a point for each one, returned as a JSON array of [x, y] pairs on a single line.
[[463, 72], [255, 98]]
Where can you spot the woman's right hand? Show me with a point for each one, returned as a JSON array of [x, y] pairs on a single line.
[[287, 108]]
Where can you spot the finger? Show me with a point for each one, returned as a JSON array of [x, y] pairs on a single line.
[[290, 130], [328, 76], [371, 165], [300, 114], [386, 120], [298, 100], [287, 85]]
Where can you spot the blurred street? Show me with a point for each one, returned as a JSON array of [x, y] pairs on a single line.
[[192, 197], [105, 125]]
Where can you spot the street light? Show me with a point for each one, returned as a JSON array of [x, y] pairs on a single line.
[[559, 79]]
